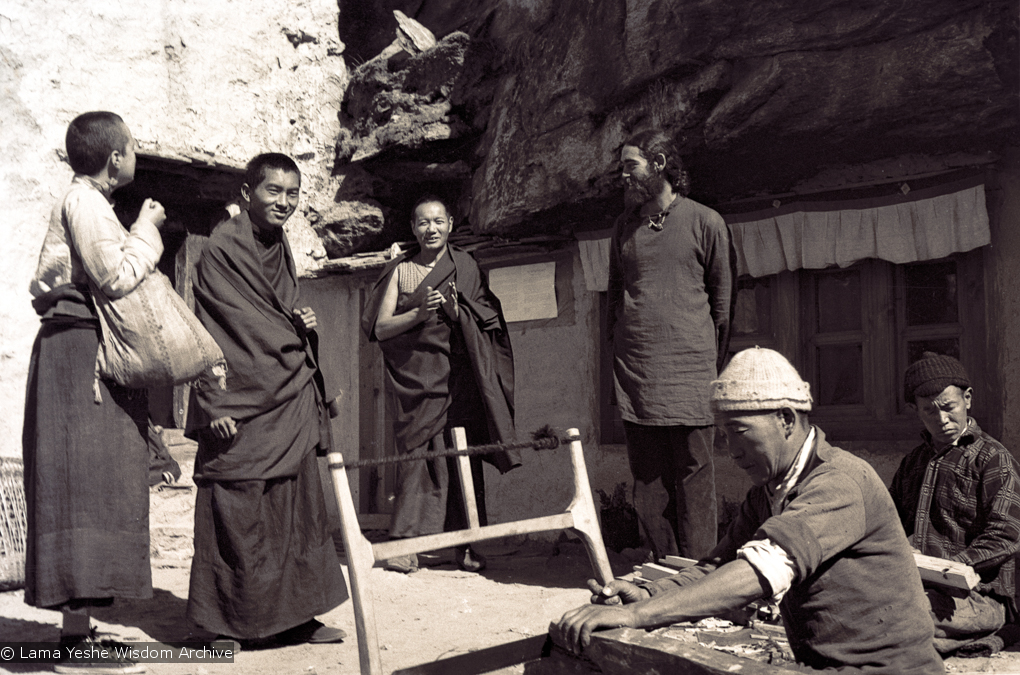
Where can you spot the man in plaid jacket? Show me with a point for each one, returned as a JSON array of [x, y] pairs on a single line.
[[958, 497]]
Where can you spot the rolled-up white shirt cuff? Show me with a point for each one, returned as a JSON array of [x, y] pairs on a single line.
[[772, 562]]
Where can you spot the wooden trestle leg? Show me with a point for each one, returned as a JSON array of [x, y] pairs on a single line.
[[580, 516], [359, 565], [586, 518]]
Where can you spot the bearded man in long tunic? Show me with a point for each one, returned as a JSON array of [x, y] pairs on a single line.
[[448, 364], [265, 564], [670, 284]]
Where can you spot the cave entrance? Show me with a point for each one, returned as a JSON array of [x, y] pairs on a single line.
[[195, 198]]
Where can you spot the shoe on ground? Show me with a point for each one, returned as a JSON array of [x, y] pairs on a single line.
[[236, 644], [470, 560], [405, 564], [311, 632], [112, 665], [250, 644]]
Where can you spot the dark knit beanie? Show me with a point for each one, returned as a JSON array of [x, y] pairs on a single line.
[[931, 374]]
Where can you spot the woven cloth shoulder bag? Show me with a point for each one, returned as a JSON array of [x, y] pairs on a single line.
[[151, 338]]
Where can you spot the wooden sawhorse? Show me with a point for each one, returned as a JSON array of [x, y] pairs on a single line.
[[362, 555]]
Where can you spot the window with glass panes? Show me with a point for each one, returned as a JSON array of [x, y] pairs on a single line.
[[835, 351], [929, 310], [852, 331]]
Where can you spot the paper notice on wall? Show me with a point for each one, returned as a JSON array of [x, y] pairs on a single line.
[[526, 292]]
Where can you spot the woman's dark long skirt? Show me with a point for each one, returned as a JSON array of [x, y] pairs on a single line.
[[86, 474]]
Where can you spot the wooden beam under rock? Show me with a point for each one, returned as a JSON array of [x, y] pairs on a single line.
[[420, 171]]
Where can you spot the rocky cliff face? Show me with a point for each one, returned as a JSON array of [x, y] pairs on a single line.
[[521, 110], [203, 84]]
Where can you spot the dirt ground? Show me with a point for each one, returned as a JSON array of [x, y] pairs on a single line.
[[436, 613]]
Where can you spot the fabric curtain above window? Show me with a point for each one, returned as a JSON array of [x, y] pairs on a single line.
[[594, 249], [922, 225]]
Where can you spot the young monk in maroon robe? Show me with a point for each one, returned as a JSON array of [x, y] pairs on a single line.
[[448, 364], [265, 563]]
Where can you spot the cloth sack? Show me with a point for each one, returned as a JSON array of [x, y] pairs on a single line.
[[151, 338]]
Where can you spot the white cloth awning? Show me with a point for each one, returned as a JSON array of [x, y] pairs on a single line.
[[594, 249], [922, 225]]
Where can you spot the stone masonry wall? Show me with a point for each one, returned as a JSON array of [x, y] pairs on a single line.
[[213, 82]]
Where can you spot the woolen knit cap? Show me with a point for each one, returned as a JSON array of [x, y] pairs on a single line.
[[760, 379], [931, 374]]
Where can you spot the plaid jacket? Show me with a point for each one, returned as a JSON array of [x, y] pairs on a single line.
[[962, 502]]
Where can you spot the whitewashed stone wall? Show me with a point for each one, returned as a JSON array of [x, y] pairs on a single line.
[[211, 80]]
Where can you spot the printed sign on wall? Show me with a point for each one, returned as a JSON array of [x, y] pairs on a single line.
[[527, 292]]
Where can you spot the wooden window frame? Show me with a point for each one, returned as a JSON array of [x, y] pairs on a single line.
[[883, 335], [785, 331], [883, 415], [874, 417], [969, 328]]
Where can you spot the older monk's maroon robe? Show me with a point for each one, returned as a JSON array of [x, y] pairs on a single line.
[[446, 372]]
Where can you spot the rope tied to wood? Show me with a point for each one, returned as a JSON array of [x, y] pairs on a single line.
[[545, 438]]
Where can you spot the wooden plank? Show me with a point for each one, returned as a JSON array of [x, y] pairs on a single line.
[[786, 318], [373, 429], [773, 631], [946, 572], [187, 256], [971, 269], [398, 547], [676, 562], [653, 571], [467, 483], [628, 651], [359, 565], [561, 662], [879, 320], [337, 309], [585, 517], [595, 260]]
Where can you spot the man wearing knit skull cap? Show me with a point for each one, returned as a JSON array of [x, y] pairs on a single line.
[[818, 533], [958, 497]]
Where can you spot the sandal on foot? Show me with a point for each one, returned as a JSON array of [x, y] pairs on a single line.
[[470, 560], [111, 664], [405, 564]]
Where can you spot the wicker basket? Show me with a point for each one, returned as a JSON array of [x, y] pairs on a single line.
[[12, 523]]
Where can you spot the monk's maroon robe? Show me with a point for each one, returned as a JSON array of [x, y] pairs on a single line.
[[418, 361], [446, 372], [264, 558]]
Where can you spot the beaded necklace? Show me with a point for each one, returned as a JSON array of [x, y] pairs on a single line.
[[656, 221]]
